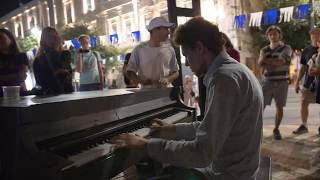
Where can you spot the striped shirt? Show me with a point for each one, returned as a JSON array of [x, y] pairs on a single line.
[[282, 52]]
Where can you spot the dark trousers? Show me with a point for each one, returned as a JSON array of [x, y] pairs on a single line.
[[174, 173]]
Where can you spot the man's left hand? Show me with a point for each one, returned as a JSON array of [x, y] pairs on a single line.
[[314, 71], [129, 141]]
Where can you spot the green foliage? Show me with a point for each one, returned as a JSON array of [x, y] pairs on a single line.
[[75, 31], [283, 3], [111, 53], [294, 33], [28, 43]]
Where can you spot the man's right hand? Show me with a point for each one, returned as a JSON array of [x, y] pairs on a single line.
[[297, 87], [159, 125]]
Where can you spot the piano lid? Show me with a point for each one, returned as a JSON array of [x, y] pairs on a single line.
[[26, 101], [56, 115]]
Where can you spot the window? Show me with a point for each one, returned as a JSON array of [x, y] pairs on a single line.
[[88, 5], [113, 28], [32, 23], [164, 13], [184, 3], [128, 29], [68, 13], [19, 30], [147, 19]]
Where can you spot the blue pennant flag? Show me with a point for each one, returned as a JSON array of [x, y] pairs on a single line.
[[240, 21], [113, 39], [75, 43], [93, 41], [303, 10], [135, 36], [270, 16]]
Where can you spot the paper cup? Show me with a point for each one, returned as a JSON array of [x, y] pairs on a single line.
[[11, 92]]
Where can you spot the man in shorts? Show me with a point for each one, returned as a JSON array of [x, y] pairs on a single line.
[[275, 61], [307, 91]]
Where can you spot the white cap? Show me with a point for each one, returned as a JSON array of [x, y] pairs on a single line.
[[159, 22]]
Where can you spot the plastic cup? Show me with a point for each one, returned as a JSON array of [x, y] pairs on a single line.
[[11, 92]]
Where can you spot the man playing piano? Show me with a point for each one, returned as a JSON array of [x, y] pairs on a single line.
[[226, 144]]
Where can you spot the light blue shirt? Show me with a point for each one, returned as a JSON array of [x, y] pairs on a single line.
[[228, 139], [90, 72]]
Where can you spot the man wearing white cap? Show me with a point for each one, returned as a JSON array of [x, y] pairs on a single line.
[[153, 63]]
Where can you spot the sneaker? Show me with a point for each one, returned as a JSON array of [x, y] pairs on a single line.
[[276, 134], [301, 130]]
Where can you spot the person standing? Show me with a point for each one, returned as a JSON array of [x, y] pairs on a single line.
[[52, 65], [89, 66], [225, 145], [275, 60], [13, 63], [153, 63], [307, 91], [230, 49]]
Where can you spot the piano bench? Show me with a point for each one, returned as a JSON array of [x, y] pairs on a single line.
[[265, 172]]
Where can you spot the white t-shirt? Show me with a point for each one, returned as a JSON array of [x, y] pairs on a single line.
[[153, 62]]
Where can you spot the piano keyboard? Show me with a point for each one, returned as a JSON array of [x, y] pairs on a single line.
[[91, 151], [145, 131]]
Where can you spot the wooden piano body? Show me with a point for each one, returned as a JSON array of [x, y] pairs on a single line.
[[66, 136]]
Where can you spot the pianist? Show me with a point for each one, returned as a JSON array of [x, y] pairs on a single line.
[[226, 144]]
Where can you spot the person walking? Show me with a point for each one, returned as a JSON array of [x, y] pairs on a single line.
[[275, 61]]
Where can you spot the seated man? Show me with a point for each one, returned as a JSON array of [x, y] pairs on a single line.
[[225, 145]]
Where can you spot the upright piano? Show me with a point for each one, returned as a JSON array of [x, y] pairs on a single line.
[[67, 136]]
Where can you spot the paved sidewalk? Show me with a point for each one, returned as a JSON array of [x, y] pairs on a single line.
[[296, 157]]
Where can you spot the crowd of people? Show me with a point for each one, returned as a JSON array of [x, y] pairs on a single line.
[[226, 143]]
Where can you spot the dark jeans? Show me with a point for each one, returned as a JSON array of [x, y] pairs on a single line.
[[89, 87]]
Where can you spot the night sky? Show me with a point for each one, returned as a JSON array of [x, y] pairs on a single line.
[[9, 5]]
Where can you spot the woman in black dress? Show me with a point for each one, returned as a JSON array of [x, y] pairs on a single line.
[[13, 63]]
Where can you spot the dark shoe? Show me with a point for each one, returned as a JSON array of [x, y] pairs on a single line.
[[276, 134], [301, 130], [319, 131]]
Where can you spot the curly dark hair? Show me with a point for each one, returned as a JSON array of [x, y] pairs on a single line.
[[199, 29], [14, 47]]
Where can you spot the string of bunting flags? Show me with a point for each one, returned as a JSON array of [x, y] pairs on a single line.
[[113, 39], [272, 16]]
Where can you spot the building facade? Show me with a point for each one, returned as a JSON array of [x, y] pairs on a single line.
[[118, 20]]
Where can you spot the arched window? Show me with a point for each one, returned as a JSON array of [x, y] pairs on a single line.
[[32, 23], [88, 5], [19, 30]]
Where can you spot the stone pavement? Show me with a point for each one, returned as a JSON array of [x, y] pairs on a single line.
[[295, 156]]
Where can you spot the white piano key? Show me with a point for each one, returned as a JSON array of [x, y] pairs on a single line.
[[91, 154], [175, 118], [144, 132]]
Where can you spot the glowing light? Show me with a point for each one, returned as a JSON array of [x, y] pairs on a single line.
[[211, 12], [36, 33]]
